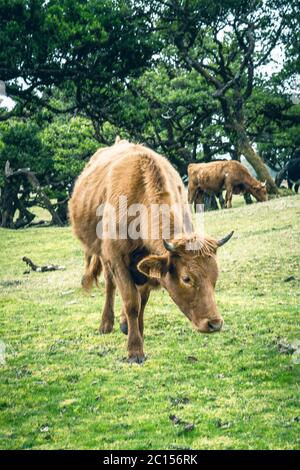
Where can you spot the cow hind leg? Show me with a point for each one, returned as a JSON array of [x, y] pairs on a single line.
[[123, 322], [228, 198], [221, 199], [108, 316], [296, 187], [87, 262]]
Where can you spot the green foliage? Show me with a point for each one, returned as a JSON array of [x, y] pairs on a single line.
[[21, 144], [56, 152], [93, 46], [275, 123], [70, 144], [169, 109]]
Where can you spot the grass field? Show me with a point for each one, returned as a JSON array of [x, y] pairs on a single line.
[[64, 386]]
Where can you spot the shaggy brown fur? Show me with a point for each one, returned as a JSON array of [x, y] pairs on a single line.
[[230, 175], [135, 267], [93, 269]]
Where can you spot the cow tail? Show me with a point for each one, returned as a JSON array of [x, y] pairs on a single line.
[[92, 273]]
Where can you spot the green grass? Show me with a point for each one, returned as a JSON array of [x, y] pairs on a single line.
[[64, 386]]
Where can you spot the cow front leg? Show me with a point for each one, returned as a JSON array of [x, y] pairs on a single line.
[[199, 199], [135, 339], [108, 316], [296, 187], [131, 308], [144, 293]]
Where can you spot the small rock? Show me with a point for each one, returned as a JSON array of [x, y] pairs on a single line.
[[223, 424], [289, 279], [180, 401], [68, 292], [286, 348], [192, 359], [186, 426], [189, 427], [175, 419], [44, 429]]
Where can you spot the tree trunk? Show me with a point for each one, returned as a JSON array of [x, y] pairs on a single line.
[[257, 163], [25, 216], [45, 200], [210, 202], [9, 199], [62, 209], [31, 177]]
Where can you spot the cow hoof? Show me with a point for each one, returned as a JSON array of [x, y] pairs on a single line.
[[138, 359], [84, 282], [124, 328], [106, 328]]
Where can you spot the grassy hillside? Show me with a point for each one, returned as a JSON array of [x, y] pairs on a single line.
[[64, 386]]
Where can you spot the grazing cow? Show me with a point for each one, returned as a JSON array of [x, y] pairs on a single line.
[[291, 172], [230, 175], [185, 265]]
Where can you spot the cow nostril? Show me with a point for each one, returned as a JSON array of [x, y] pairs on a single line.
[[214, 325]]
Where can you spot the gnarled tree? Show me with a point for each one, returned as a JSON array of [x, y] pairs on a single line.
[[226, 43]]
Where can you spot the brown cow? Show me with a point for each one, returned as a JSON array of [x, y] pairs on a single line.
[[137, 265], [230, 175]]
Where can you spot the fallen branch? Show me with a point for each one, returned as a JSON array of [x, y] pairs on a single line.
[[39, 223], [42, 269]]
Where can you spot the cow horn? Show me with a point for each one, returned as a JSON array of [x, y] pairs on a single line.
[[225, 239], [264, 184], [169, 246]]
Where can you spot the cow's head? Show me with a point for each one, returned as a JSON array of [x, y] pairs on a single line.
[[188, 271], [259, 191]]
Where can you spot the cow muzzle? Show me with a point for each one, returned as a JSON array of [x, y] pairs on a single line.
[[214, 326], [210, 326]]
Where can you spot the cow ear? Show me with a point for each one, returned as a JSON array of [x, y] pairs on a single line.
[[153, 266]]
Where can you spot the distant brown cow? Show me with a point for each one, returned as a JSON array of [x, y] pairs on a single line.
[[136, 266], [230, 175]]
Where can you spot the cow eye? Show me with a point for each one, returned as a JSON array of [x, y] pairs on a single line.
[[186, 279]]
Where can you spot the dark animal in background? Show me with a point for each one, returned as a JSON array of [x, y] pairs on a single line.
[[291, 172]]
